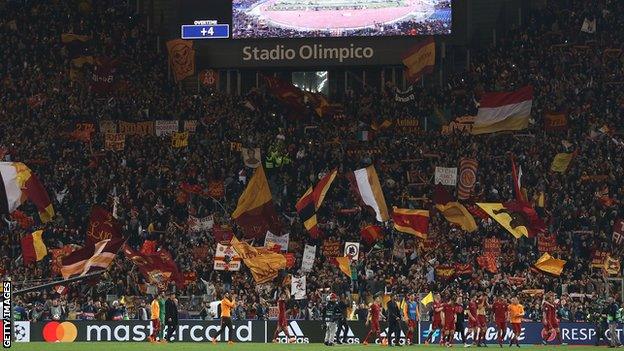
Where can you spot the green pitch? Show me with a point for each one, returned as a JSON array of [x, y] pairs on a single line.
[[134, 346]]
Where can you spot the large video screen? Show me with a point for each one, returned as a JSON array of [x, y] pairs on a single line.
[[339, 18]]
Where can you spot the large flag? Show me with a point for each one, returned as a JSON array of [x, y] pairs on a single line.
[[371, 234], [181, 58], [366, 186], [255, 212], [415, 222], [561, 162], [420, 60], [158, 268], [499, 111], [519, 218], [288, 94], [263, 263], [91, 258], [516, 175], [453, 211], [18, 183], [102, 226], [344, 263], [310, 202], [33, 247], [467, 177], [549, 265]]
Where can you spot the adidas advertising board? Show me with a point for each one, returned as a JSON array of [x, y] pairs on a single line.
[[262, 332]]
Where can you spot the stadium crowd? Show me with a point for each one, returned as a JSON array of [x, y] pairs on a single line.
[[570, 70], [246, 25]]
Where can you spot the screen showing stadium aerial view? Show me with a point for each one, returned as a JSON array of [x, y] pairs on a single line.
[[339, 18]]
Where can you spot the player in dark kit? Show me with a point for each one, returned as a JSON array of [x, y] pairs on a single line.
[[459, 318], [282, 321], [374, 317], [436, 323], [500, 309], [449, 323]]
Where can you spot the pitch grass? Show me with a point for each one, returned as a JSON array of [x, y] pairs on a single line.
[[135, 346]]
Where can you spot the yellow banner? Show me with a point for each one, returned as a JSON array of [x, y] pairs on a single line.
[[179, 140]]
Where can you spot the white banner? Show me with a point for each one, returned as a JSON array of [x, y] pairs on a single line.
[[309, 253], [352, 250], [226, 259], [298, 287], [165, 127], [196, 225], [271, 239], [446, 176]]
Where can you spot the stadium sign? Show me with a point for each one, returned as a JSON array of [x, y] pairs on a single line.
[[262, 332], [308, 52]]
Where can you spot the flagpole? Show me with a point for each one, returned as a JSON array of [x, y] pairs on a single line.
[[56, 282]]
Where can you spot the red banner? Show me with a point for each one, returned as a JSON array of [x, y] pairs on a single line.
[[547, 243], [488, 263], [492, 247], [158, 269], [102, 226]]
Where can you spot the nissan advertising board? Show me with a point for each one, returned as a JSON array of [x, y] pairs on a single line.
[[260, 332]]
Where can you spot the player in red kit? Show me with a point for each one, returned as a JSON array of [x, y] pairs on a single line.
[[549, 318], [282, 322], [473, 326], [482, 305], [374, 317], [436, 323], [449, 323], [500, 308]]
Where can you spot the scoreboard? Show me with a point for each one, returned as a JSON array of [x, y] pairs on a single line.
[[205, 30]]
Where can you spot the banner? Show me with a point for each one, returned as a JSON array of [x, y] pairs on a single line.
[[179, 140], [209, 78], [304, 332], [407, 124], [420, 59], [136, 128], [298, 287], [618, 234], [271, 240], [102, 226], [404, 96], [331, 248], [307, 262], [190, 126], [103, 75], [165, 127], [216, 189], [444, 272], [555, 121], [492, 247], [445, 176], [547, 243], [226, 259], [467, 177], [57, 256], [196, 225], [352, 250], [114, 141], [181, 58], [251, 157], [200, 252], [108, 126]]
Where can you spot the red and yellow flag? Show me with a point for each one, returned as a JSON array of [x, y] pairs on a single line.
[[263, 263], [420, 60], [255, 212], [181, 58], [415, 222]]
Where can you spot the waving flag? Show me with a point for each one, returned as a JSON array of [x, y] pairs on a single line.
[[33, 247], [453, 211], [415, 222], [516, 174], [158, 268], [255, 212], [366, 186], [102, 226], [499, 111], [549, 265], [420, 59], [17, 183], [371, 234], [311, 201], [263, 263], [91, 258]]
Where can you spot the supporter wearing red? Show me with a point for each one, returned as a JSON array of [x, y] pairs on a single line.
[[500, 310]]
